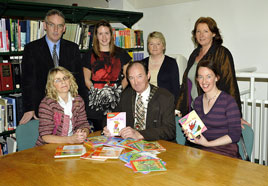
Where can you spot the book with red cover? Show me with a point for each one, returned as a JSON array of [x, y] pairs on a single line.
[[6, 81]]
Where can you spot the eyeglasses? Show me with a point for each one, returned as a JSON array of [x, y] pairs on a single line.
[[60, 80], [53, 26]]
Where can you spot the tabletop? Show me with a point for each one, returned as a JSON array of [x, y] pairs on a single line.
[[185, 166]]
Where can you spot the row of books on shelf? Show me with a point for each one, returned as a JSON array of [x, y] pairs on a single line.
[[11, 111], [139, 155], [8, 145], [15, 34]]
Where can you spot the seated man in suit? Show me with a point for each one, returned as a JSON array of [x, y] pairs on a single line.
[[149, 109]]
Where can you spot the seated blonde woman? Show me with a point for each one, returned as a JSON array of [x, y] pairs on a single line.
[[62, 116]]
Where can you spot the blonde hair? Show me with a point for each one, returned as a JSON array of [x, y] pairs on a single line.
[[157, 35], [51, 91]]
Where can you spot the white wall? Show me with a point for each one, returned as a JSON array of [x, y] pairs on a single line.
[[243, 24]]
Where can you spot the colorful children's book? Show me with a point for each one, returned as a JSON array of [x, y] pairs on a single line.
[[193, 123], [88, 155], [126, 141], [63, 151], [113, 141], [107, 152], [95, 141], [147, 165], [150, 146], [115, 122]]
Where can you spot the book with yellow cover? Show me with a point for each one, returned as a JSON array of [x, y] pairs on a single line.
[[193, 123]]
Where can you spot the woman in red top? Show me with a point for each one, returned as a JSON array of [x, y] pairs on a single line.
[[104, 69]]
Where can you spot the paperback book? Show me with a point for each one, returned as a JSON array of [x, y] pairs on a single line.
[[64, 151], [144, 165], [193, 123], [107, 152], [115, 122], [95, 141]]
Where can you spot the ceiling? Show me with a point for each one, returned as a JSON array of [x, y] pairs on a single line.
[[139, 4]]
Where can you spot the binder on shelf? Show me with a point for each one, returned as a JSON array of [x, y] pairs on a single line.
[[6, 80], [16, 73], [19, 107]]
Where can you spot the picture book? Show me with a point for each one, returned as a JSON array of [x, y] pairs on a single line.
[[63, 151], [193, 123], [95, 141], [115, 122], [135, 145], [107, 152], [133, 155], [151, 146], [126, 141], [88, 156], [113, 141], [147, 165]]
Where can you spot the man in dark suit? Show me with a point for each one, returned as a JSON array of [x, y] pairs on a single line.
[[158, 104], [43, 54]]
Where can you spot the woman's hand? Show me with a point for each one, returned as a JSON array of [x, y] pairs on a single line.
[[200, 140], [79, 136]]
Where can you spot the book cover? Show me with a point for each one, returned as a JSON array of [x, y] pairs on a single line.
[[193, 123], [6, 77], [95, 141], [150, 146], [115, 122], [113, 141], [147, 165], [107, 152], [88, 156], [64, 151]]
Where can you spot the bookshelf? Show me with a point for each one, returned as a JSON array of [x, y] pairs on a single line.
[[73, 14]]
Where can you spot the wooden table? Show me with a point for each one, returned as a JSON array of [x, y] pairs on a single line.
[[185, 166]]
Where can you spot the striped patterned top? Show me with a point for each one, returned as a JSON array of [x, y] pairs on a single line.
[[52, 119], [223, 118]]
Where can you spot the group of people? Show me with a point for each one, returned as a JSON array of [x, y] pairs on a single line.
[[71, 96]]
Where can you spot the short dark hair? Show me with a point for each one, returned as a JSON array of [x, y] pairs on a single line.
[[145, 67], [54, 12]]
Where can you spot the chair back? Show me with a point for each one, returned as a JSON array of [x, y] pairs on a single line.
[[27, 135], [245, 144], [180, 138]]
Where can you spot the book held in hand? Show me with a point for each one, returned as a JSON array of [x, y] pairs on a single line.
[[193, 123], [115, 122], [64, 151]]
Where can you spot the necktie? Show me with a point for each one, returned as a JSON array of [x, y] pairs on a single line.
[[55, 56], [140, 114]]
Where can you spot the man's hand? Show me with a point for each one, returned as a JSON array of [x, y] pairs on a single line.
[[106, 132], [129, 132], [27, 116]]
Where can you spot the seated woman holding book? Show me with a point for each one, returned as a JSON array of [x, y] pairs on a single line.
[[219, 112], [62, 116]]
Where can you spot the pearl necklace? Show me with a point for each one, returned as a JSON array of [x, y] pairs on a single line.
[[209, 99]]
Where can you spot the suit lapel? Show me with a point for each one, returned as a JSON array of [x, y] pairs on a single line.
[[45, 54]]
